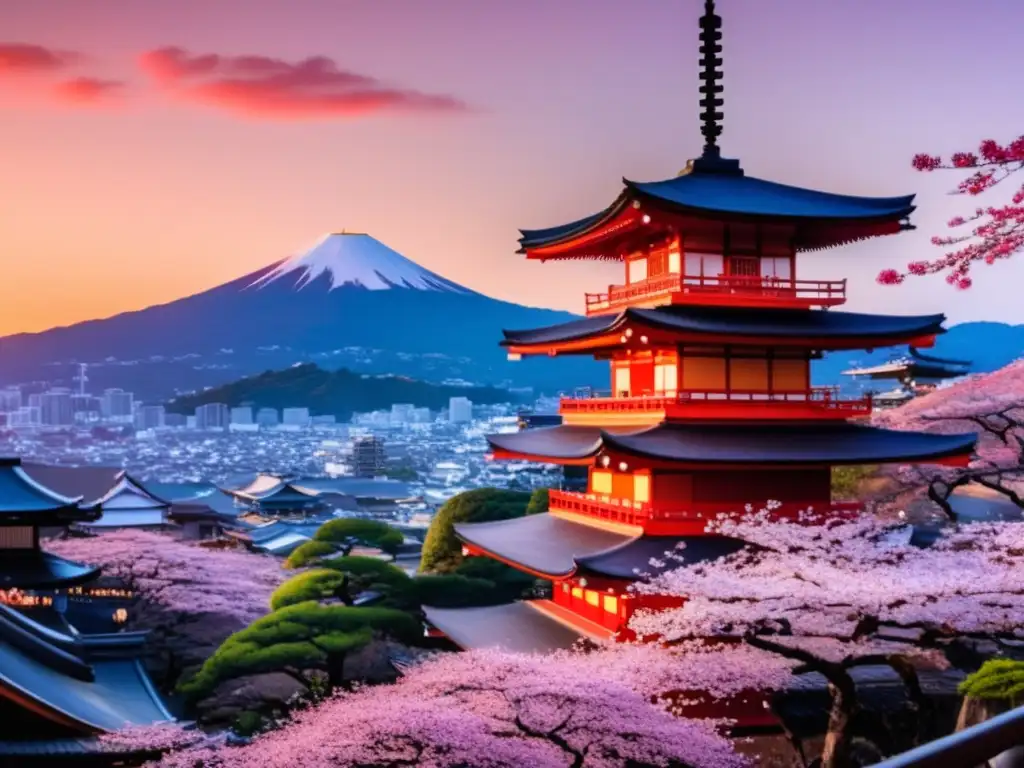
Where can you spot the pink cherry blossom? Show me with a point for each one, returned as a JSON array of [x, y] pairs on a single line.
[[996, 232]]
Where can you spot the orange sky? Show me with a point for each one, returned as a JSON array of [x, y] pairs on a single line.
[[451, 124]]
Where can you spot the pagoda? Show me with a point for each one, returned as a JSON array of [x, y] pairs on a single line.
[[709, 341], [915, 374], [57, 686]]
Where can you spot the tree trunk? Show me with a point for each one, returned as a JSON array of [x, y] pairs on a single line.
[[835, 753], [335, 670]]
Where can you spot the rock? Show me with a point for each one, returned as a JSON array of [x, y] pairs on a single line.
[[371, 664], [257, 693]]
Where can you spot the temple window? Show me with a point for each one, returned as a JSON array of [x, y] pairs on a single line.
[[17, 537], [601, 482], [611, 604], [641, 488], [577, 592], [790, 375], [621, 379], [779, 267], [704, 265], [636, 270], [748, 374], [704, 374], [666, 378], [593, 598]]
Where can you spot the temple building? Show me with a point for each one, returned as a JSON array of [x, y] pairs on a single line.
[[914, 374], [709, 341], [125, 502], [57, 687]]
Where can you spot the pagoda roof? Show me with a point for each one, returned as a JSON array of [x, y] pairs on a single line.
[[712, 322], [515, 627], [24, 500], [94, 484], [734, 195], [36, 569], [772, 444], [556, 547], [272, 488], [49, 669]]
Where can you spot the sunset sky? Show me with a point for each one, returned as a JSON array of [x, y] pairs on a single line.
[[152, 150]]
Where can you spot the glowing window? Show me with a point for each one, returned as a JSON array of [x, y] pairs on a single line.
[[611, 604], [593, 598]]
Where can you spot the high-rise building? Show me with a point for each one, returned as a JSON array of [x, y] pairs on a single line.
[[401, 413], [295, 417], [35, 400], [55, 408], [212, 416], [10, 400], [241, 415], [150, 417], [368, 456], [267, 417], [175, 419], [460, 410], [421, 416], [118, 405]]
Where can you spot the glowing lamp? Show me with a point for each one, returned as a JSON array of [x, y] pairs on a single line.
[[605, 461], [623, 466], [646, 219]]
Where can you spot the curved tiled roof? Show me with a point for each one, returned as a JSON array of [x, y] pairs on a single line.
[[737, 321]]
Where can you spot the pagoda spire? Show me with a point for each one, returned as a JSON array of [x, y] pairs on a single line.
[[710, 75], [711, 160]]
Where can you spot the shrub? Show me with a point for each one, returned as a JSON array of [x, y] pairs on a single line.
[[449, 590], [309, 552], [309, 585], [997, 679], [301, 637], [846, 481], [442, 550], [538, 502], [372, 533]]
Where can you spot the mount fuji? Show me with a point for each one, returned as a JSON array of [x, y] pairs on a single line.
[[347, 302]]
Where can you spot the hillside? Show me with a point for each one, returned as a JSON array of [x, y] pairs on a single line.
[[338, 393]]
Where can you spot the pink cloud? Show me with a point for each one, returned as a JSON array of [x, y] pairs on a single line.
[[260, 86], [87, 90], [28, 58]]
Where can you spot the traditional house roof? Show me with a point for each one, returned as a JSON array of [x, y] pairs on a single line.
[[762, 444], [555, 547], [917, 366], [710, 323], [89, 685], [36, 569], [515, 627], [26, 501]]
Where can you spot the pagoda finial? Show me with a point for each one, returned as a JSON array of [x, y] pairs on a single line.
[[711, 160], [710, 88]]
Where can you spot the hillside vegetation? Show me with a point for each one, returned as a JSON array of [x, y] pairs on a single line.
[[332, 393]]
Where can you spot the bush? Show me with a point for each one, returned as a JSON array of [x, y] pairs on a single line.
[[308, 553], [1001, 679], [248, 724], [508, 583], [538, 502], [449, 590], [442, 550], [317, 584], [846, 481], [303, 636], [371, 533]]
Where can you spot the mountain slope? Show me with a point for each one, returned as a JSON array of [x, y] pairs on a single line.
[[349, 302], [337, 393]]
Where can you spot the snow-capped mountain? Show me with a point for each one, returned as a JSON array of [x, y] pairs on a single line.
[[348, 302], [356, 259]]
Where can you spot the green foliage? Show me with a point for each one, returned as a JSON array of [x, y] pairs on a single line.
[[450, 590], [508, 583], [997, 679], [403, 472], [309, 552], [317, 584], [846, 481], [371, 533], [442, 551], [248, 724], [338, 392], [303, 636], [538, 502]]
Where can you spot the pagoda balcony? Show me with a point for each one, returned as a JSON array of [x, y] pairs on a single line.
[[723, 290], [670, 518], [741, 405]]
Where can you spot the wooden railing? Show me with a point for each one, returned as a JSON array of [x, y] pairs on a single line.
[[628, 512], [826, 399], [766, 289]]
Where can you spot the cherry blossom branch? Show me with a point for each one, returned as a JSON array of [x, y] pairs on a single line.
[[997, 231]]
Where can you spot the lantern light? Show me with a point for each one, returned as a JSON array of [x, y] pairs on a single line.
[[605, 461], [623, 466], [629, 332], [646, 219]]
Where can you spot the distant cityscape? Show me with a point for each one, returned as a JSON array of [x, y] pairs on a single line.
[[438, 453]]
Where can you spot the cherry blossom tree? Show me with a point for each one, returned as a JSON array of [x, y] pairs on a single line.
[[190, 597], [491, 709], [999, 461], [835, 594], [995, 232]]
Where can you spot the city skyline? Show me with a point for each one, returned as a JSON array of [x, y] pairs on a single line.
[[502, 117]]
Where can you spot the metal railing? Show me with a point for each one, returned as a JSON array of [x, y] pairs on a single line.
[[811, 291], [970, 747]]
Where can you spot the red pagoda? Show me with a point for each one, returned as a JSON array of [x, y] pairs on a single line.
[[710, 341]]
